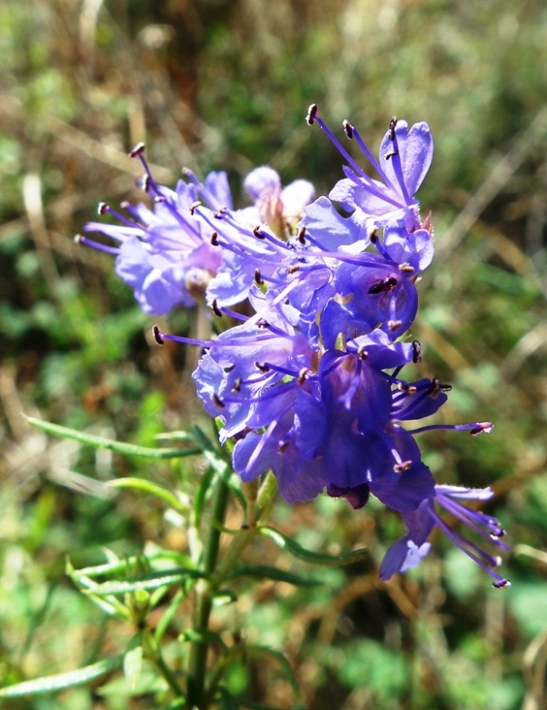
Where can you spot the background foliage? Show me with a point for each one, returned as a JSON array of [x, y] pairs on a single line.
[[220, 84]]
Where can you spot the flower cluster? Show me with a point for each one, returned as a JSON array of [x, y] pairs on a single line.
[[309, 385]]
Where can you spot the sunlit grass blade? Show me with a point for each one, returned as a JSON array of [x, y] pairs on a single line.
[[316, 558]]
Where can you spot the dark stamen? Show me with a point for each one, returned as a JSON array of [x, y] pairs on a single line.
[[194, 207], [394, 324], [258, 280], [214, 239], [258, 234], [218, 401], [312, 113], [216, 309], [402, 467], [262, 368], [416, 351], [391, 129], [301, 235], [237, 385], [302, 375], [157, 335], [348, 129], [482, 428], [137, 150]]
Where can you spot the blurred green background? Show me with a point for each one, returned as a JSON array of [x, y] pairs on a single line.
[[225, 84]]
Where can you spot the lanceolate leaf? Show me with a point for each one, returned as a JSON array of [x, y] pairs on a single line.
[[148, 582], [53, 683], [316, 558], [116, 446], [149, 487], [279, 575]]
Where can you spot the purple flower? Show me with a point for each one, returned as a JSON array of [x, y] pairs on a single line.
[[408, 551], [164, 254], [273, 205], [388, 202]]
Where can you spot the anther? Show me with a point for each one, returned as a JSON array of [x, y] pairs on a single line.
[[391, 153], [394, 324], [220, 213], [392, 125], [406, 268], [402, 467], [409, 389], [216, 309], [373, 236], [293, 269], [214, 239], [482, 428], [497, 535], [258, 280], [157, 335], [144, 182], [262, 368], [137, 150], [416, 351], [262, 323], [258, 234], [503, 584], [237, 385], [362, 353], [159, 199], [218, 401], [348, 129], [436, 387], [302, 375], [312, 114], [78, 238], [102, 208], [283, 446], [194, 206], [301, 235]]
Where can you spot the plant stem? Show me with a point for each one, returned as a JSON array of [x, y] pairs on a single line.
[[203, 600]]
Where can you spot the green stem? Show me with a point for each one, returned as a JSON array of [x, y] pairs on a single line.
[[203, 601]]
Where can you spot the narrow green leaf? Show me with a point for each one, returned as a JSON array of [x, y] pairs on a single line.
[[117, 446], [202, 636], [316, 558], [267, 572], [213, 456], [169, 614], [147, 582], [54, 683], [130, 562], [201, 493], [142, 484]]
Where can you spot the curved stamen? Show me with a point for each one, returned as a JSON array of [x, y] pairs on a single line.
[[79, 239]]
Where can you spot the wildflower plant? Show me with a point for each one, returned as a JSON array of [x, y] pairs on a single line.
[[312, 305]]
